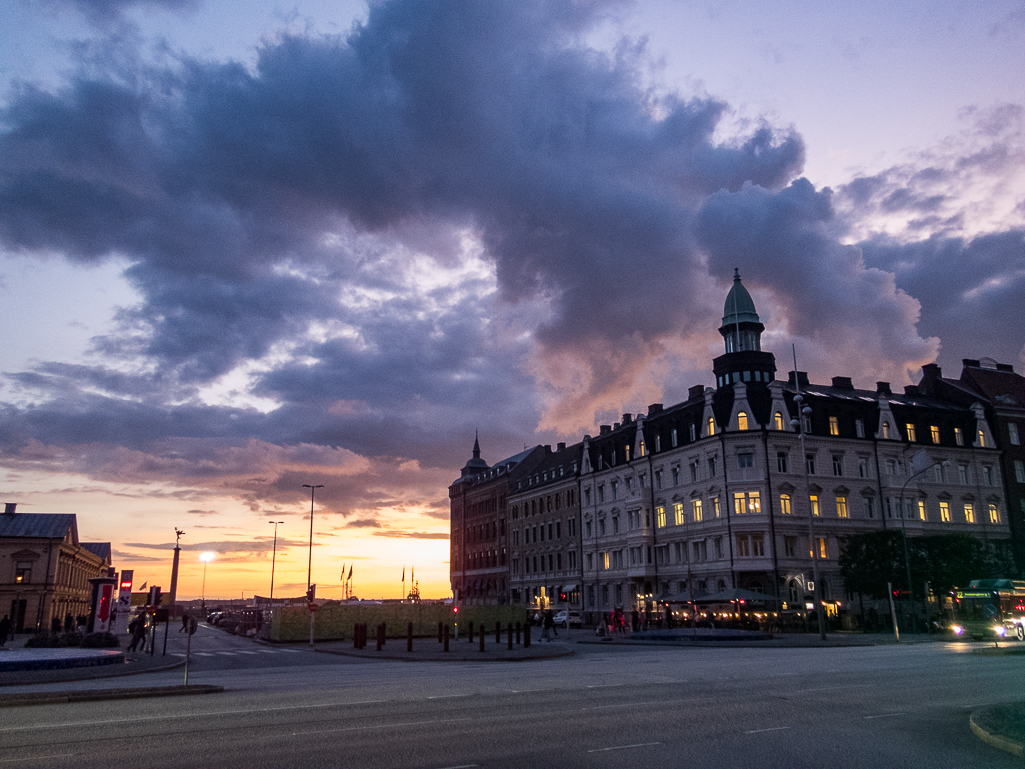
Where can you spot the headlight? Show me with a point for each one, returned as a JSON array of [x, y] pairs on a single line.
[[958, 630], [1000, 630]]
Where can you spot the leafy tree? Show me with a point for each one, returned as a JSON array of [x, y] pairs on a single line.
[[869, 561]]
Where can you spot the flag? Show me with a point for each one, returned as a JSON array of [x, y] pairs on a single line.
[[412, 574], [350, 571], [342, 578], [403, 573], [142, 586]]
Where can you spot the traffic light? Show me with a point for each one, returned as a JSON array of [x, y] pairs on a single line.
[[455, 609], [155, 596], [311, 593], [562, 597]]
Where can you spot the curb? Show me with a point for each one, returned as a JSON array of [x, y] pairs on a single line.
[[1003, 743], [454, 658], [95, 672], [87, 695]]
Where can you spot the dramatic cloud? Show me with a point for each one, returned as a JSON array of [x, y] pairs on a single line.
[[456, 216]]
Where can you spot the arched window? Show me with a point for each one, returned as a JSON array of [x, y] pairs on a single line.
[[777, 420], [741, 420], [886, 429], [711, 425], [784, 504]]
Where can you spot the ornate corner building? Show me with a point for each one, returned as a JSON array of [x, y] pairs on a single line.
[[742, 485]]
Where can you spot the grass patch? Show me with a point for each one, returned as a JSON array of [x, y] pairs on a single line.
[[1005, 720]]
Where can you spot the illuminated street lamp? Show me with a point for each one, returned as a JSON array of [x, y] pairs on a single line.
[[273, 558], [205, 558]]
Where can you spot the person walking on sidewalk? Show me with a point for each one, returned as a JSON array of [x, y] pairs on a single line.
[[5, 629]]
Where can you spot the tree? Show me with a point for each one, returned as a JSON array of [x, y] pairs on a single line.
[[869, 561]]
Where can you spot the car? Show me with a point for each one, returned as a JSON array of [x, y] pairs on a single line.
[[568, 619]]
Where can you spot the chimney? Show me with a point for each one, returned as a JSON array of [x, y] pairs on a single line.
[[697, 391], [560, 447], [604, 429], [654, 408], [627, 418], [970, 363], [1006, 367], [843, 383], [10, 507], [883, 388]]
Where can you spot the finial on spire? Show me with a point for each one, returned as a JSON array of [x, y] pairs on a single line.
[[476, 445], [736, 274]]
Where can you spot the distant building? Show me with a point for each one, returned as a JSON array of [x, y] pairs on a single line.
[[44, 569], [716, 492]]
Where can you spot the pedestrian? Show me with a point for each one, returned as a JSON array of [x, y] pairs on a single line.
[[137, 627], [547, 626], [69, 623], [5, 629]]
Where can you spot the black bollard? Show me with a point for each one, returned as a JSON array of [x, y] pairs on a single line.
[[355, 635], [508, 631], [526, 636], [439, 632], [471, 631], [518, 634], [498, 632], [446, 637], [482, 634], [384, 634], [409, 637]]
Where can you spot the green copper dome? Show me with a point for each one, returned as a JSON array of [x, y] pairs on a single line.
[[739, 307]]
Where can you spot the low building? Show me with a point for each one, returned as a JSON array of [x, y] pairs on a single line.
[[45, 570]]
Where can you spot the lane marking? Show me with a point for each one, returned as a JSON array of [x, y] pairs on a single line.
[[380, 726], [36, 758], [885, 715], [625, 747], [831, 688], [448, 696], [624, 705], [773, 729]]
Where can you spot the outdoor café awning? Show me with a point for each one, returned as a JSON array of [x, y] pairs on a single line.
[[568, 588]]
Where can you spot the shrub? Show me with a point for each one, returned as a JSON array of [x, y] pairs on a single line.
[[100, 641]]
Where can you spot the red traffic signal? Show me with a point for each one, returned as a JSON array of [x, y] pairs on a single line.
[[455, 609]]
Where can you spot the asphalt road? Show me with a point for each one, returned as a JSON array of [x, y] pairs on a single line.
[[887, 706]]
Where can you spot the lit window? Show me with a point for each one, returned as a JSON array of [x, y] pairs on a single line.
[[814, 500], [23, 573], [660, 517], [945, 512], [626, 452], [678, 513], [711, 426], [834, 426], [604, 559], [911, 432], [784, 504], [641, 449], [695, 508], [982, 439], [745, 502], [1012, 432], [886, 429], [841, 507], [742, 420], [777, 420], [994, 514], [969, 512], [921, 511], [958, 436], [715, 507], [935, 433], [823, 550]]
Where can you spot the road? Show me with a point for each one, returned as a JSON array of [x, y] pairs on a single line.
[[887, 706]]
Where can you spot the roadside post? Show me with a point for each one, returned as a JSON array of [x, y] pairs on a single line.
[[311, 595], [190, 627], [893, 610]]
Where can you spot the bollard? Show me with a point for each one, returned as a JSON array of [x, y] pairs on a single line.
[[384, 634], [380, 636], [409, 637], [509, 636], [482, 634], [439, 632], [518, 634], [363, 636], [355, 635], [526, 636], [498, 632], [470, 628], [446, 637]]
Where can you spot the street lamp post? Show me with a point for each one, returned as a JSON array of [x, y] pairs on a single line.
[[804, 411], [309, 566], [205, 558], [904, 537], [273, 558]]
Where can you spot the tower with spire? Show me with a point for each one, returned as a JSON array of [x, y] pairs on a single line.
[[741, 331]]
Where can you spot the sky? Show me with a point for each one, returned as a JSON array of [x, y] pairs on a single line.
[[327, 242]]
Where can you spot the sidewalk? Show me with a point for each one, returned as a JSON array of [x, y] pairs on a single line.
[[130, 663]]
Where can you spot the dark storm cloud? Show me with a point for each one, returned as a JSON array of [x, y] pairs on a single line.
[[976, 308], [296, 213]]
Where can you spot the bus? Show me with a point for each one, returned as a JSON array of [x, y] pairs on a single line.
[[989, 609]]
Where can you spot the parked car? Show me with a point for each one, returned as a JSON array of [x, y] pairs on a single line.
[[567, 619]]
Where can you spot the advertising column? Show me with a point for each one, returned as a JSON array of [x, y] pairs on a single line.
[[102, 604], [124, 602]]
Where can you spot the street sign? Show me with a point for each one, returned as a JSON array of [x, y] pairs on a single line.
[[192, 625], [313, 607]]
